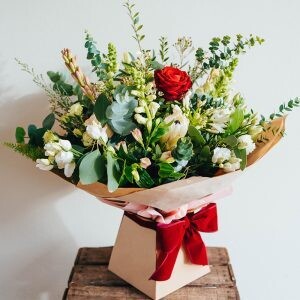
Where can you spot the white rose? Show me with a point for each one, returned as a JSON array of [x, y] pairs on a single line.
[[44, 164], [75, 109], [220, 155], [246, 142], [62, 158], [177, 130], [65, 144]]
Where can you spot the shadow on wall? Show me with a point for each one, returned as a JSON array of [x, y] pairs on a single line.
[[34, 241]]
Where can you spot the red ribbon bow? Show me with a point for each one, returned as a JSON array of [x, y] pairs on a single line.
[[185, 231]]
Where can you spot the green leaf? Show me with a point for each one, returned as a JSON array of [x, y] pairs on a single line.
[[236, 120], [156, 65], [31, 130], [20, 134], [49, 121], [54, 76], [145, 179], [167, 171], [196, 135], [231, 141], [241, 153], [183, 150], [112, 174], [91, 168], [100, 107], [64, 88]]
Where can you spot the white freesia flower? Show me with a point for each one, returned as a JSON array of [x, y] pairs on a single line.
[[65, 145], [140, 119], [52, 149], [75, 109], [245, 142], [69, 169], [219, 120], [153, 108], [177, 130], [220, 155], [44, 164], [232, 165], [63, 157], [145, 162]]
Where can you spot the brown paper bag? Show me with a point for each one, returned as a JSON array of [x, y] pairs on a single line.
[[134, 260]]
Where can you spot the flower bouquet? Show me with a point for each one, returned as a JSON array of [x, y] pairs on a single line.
[[161, 139]]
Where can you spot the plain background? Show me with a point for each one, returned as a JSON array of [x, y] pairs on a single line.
[[43, 220]]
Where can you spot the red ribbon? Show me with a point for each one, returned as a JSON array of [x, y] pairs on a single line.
[[185, 231]]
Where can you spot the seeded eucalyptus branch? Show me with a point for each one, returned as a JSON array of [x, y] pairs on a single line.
[[136, 26], [285, 108]]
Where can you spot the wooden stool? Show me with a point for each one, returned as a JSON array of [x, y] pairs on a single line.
[[90, 279]]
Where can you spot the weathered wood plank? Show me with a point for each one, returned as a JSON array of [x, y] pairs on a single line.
[[129, 293], [98, 275], [100, 256]]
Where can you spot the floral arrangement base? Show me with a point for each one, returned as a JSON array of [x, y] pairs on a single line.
[[134, 260]]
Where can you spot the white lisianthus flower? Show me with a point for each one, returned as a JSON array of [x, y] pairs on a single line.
[[44, 164], [97, 132], [69, 169], [219, 120], [75, 109], [232, 165], [145, 162], [220, 155], [245, 142], [65, 145], [177, 130], [63, 158], [49, 136], [52, 149]]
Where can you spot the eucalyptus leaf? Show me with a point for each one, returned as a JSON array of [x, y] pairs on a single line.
[[241, 153], [100, 108], [91, 168], [49, 121], [31, 130], [54, 76], [112, 180], [20, 134]]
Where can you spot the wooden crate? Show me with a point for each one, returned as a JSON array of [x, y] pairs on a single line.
[[90, 279]]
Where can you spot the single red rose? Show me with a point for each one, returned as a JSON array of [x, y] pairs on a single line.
[[173, 82]]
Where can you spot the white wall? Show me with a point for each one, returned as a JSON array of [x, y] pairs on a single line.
[[43, 220]]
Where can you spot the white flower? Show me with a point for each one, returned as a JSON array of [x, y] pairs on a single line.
[[139, 109], [219, 119], [177, 130], [186, 99], [220, 155], [49, 136], [65, 144], [97, 132], [75, 109], [145, 162], [246, 142], [123, 145], [52, 149], [44, 164], [69, 169], [153, 107], [63, 157], [255, 130], [232, 165], [140, 119]]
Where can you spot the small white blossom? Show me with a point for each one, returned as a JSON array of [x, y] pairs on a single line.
[[52, 148], [123, 145], [96, 132], [232, 165], [44, 164], [137, 135], [153, 107], [140, 119], [219, 120], [63, 157], [177, 130], [145, 162], [65, 145], [220, 155], [69, 169], [139, 109], [246, 142]]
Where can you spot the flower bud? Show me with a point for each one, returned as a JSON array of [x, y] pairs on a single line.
[[140, 119], [135, 175], [145, 162], [75, 109], [137, 135], [139, 109], [153, 107]]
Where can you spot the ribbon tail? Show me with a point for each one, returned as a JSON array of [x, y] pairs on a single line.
[[165, 264], [195, 247]]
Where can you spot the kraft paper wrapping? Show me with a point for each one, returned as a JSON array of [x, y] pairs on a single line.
[[170, 196]]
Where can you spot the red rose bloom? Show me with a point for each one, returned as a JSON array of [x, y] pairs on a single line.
[[173, 82]]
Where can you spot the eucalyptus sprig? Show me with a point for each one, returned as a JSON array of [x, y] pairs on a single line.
[[164, 48]]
